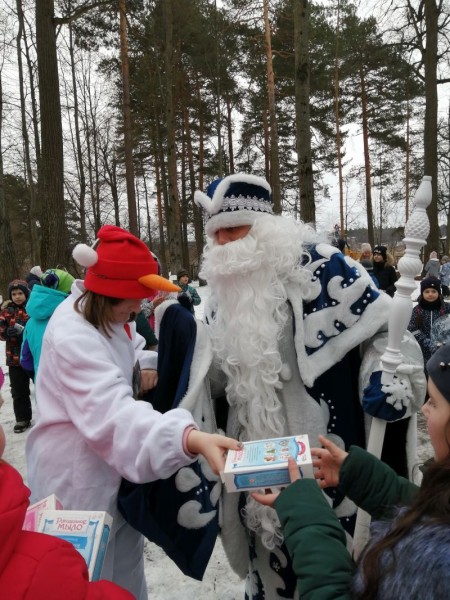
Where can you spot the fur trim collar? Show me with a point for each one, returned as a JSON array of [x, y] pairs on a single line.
[[345, 309]]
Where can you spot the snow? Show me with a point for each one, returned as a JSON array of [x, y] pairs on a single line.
[[164, 580]]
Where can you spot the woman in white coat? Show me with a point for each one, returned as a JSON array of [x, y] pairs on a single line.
[[90, 431]]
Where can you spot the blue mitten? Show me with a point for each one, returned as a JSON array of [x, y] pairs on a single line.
[[388, 402]]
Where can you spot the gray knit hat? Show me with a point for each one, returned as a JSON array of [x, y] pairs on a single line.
[[438, 368]]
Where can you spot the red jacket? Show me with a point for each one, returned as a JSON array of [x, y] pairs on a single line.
[[35, 566], [10, 315]]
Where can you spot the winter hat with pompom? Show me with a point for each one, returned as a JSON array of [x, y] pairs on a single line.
[[235, 200], [120, 265], [58, 280]]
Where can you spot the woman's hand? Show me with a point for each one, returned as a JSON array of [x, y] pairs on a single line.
[[328, 461], [212, 446], [269, 497], [149, 379]]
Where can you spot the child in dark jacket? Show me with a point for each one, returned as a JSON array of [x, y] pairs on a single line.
[[408, 556], [13, 318], [430, 307]]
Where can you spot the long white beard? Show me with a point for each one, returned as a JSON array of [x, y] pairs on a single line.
[[248, 278]]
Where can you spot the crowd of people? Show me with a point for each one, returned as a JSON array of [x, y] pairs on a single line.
[[290, 343]]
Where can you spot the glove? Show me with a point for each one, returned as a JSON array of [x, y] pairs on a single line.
[[185, 299], [15, 330], [388, 402]]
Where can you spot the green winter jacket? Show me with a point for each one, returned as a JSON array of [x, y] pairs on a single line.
[[192, 294], [313, 534]]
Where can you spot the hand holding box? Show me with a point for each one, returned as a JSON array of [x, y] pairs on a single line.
[[263, 464]]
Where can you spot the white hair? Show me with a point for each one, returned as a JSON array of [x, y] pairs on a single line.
[[249, 279]]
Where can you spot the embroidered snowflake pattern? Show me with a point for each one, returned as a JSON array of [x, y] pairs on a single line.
[[245, 203]]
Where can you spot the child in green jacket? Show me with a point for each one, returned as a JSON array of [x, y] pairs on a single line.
[[187, 291], [408, 556]]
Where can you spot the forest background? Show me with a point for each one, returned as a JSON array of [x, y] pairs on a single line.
[[117, 111]]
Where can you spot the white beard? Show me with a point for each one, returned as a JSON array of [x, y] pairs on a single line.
[[248, 278]]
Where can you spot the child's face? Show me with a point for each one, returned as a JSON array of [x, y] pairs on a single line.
[[18, 297], [184, 279], [430, 295], [437, 413]]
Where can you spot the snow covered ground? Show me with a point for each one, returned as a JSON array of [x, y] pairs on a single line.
[[165, 581]]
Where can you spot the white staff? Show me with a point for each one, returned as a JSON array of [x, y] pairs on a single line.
[[416, 232]]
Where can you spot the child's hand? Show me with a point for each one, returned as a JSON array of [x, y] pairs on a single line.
[[269, 498], [213, 447], [149, 379], [328, 462], [15, 330]]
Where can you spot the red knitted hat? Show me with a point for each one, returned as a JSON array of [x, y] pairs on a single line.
[[120, 266]]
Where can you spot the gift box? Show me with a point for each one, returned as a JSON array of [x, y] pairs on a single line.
[[88, 531], [263, 463], [34, 513]]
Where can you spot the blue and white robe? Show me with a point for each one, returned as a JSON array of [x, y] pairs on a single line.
[[321, 346]]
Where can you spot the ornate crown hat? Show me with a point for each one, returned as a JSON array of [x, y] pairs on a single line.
[[235, 200]]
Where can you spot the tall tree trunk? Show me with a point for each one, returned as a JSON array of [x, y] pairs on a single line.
[[79, 151], [447, 242], [266, 139], [173, 222], [201, 134], [127, 122], [408, 156], [51, 167], [34, 110], [197, 217], [10, 269], [431, 118], [185, 258], [365, 127], [95, 162], [338, 124], [218, 92], [274, 156], [302, 113], [34, 209], [230, 135], [147, 205], [162, 240]]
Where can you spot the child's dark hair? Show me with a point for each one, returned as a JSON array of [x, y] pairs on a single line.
[[97, 309], [431, 504]]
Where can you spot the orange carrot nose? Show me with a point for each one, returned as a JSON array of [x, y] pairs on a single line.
[[156, 282]]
